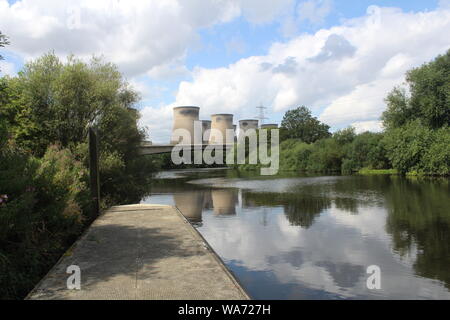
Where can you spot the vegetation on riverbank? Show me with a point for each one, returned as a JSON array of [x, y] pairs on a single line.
[[45, 113], [415, 140], [366, 171]]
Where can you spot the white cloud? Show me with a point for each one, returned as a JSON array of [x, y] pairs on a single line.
[[140, 36], [342, 73], [7, 68], [314, 11], [157, 122], [363, 126]]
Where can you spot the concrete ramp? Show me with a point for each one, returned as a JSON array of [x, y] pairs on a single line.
[[141, 252]]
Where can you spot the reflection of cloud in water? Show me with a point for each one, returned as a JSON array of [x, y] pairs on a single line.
[[329, 256], [344, 275], [314, 237]]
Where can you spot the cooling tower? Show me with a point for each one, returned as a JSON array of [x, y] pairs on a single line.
[[206, 128], [245, 125], [224, 202], [183, 118], [269, 126], [219, 124], [190, 204]]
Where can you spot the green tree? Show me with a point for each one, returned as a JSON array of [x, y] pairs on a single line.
[[326, 155], [429, 98], [64, 100], [300, 124], [407, 145]]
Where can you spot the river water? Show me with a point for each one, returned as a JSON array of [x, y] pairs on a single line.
[[314, 237]]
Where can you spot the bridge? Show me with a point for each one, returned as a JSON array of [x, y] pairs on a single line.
[[148, 148]]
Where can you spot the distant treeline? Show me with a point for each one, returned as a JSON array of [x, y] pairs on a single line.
[[45, 113], [415, 140]]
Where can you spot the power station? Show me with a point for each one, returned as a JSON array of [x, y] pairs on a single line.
[[213, 131]]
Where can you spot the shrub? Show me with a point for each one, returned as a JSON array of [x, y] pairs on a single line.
[[43, 215]]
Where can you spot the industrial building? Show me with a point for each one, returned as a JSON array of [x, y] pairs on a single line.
[[211, 131]]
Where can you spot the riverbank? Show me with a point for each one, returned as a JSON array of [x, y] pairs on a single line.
[[366, 171]]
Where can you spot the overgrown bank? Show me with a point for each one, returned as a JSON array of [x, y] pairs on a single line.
[[45, 113]]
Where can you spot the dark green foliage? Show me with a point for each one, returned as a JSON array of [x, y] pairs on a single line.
[[419, 149], [417, 125], [294, 155], [43, 216], [326, 155], [429, 99], [367, 150], [300, 124], [45, 113]]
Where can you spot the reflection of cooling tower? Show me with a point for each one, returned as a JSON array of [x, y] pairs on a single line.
[[245, 125], [183, 118], [269, 126], [219, 124], [190, 204], [207, 200], [206, 127], [224, 202]]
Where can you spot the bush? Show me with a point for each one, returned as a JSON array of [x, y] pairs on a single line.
[[367, 150], [294, 155], [436, 159], [44, 214], [407, 145], [326, 155]]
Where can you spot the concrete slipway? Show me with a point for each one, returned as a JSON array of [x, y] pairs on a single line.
[[141, 252]]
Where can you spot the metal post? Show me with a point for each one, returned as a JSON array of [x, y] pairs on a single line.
[[93, 170]]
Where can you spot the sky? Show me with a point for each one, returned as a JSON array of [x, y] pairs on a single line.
[[339, 58]]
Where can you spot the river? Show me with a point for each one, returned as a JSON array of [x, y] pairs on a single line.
[[314, 237]]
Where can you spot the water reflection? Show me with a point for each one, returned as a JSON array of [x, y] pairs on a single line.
[[314, 237], [224, 201], [191, 204]]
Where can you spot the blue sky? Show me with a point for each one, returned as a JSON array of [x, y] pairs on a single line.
[[338, 57]]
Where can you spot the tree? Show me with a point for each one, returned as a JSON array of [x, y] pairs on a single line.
[[366, 151], [407, 145], [345, 136], [61, 101], [429, 98], [300, 124]]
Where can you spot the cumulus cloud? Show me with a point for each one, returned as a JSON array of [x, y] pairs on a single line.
[[336, 47], [314, 11], [140, 36], [7, 68], [343, 73], [363, 126]]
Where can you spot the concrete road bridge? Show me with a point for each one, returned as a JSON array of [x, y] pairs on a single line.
[[147, 148]]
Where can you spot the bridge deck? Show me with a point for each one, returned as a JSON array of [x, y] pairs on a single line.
[[141, 252]]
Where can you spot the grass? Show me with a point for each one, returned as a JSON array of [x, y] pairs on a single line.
[[366, 171]]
